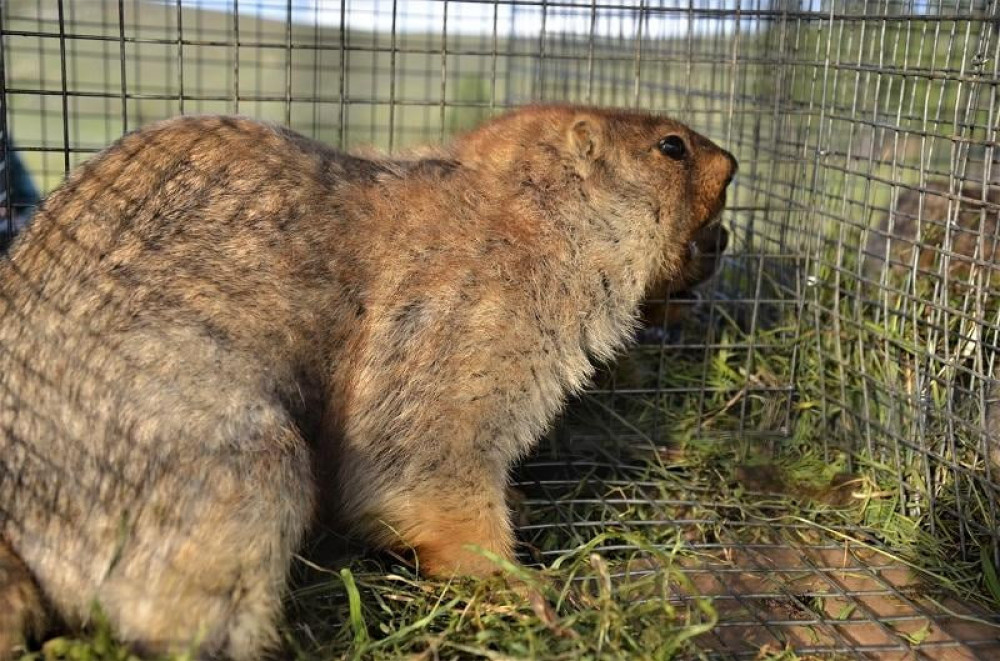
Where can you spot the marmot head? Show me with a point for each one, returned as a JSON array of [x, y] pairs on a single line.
[[642, 172]]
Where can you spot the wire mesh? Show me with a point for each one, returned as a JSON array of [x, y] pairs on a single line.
[[851, 332]]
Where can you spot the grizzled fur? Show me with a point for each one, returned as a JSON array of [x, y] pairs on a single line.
[[218, 328]]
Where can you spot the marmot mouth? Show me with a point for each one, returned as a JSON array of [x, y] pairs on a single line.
[[720, 206], [713, 208], [712, 238]]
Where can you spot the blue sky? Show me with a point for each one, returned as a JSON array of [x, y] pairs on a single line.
[[478, 17]]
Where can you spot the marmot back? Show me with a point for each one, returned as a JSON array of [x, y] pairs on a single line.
[[218, 330]]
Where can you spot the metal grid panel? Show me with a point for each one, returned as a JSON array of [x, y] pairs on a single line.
[[854, 313]]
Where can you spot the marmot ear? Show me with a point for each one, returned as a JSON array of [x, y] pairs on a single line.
[[584, 139]]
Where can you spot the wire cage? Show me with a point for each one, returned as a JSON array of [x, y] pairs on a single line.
[[809, 449]]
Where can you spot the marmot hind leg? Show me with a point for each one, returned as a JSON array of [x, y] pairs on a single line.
[[214, 584], [22, 613], [448, 514], [450, 532]]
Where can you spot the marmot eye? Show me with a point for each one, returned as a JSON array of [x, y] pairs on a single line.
[[673, 146]]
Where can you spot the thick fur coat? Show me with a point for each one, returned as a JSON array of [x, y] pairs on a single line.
[[217, 330]]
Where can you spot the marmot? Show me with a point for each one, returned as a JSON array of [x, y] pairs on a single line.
[[970, 221], [216, 325], [964, 231]]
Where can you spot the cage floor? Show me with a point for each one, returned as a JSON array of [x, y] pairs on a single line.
[[779, 572]]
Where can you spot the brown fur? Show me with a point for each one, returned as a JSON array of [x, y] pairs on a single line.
[[22, 613], [961, 229], [216, 325]]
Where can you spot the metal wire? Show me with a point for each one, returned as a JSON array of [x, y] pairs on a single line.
[[857, 297]]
